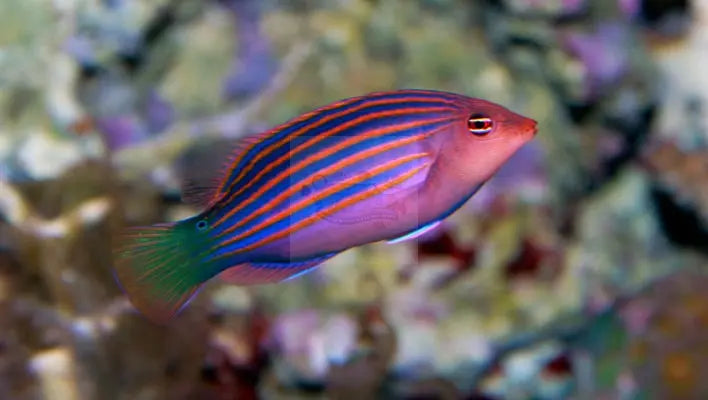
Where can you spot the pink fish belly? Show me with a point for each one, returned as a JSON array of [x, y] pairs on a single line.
[[385, 216]]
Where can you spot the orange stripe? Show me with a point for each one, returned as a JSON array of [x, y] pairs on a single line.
[[274, 131], [339, 165], [285, 139], [316, 157], [268, 150], [338, 104], [324, 213], [323, 194]]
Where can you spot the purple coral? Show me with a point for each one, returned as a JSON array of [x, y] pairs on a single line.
[[254, 63], [603, 55]]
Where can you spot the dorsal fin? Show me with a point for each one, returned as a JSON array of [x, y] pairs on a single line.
[[205, 166]]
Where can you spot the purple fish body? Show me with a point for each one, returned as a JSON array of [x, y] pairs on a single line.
[[361, 170]]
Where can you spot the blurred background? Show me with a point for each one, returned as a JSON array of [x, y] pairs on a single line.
[[578, 272]]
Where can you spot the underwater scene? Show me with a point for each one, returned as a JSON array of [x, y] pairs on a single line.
[[353, 199]]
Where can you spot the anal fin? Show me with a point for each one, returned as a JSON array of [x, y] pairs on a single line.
[[260, 273]]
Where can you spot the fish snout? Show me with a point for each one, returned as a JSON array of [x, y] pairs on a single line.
[[524, 127], [532, 127]]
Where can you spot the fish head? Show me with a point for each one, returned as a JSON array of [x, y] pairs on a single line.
[[483, 137]]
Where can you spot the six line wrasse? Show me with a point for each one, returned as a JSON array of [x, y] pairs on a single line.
[[384, 166]]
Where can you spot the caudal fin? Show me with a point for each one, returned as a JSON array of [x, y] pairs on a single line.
[[158, 270]]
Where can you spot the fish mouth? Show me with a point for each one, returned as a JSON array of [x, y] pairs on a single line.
[[529, 129], [533, 127], [526, 128]]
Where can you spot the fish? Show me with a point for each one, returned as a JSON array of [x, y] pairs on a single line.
[[385, 166]]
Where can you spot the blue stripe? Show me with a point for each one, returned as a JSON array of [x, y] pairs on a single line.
[[312, 169], [325, 111], [316, 207], [295, 141], [322, 145]]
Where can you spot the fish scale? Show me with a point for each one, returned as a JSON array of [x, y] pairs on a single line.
[[319, 147], [356, 148]]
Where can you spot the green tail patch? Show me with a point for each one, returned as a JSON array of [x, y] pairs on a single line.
[[159, 268]]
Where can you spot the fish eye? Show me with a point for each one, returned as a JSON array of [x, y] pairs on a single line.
[[202, 225], [480, 125]]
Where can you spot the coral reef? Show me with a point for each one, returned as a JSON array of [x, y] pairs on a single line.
[[576, 272]]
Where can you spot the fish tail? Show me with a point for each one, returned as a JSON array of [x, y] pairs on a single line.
[[159, 268]]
